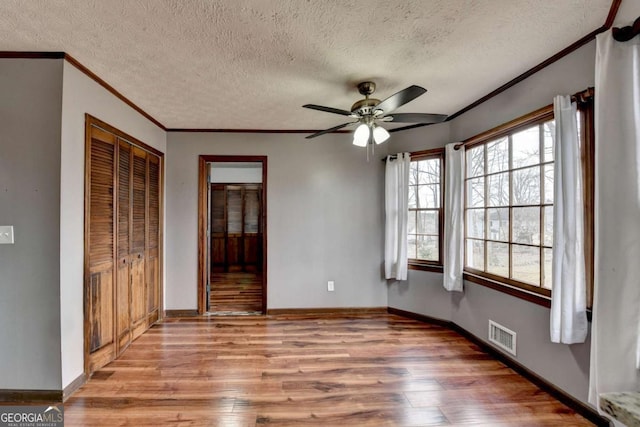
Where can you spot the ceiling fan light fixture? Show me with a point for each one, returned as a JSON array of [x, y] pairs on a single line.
[[380, 134], [361, 135]]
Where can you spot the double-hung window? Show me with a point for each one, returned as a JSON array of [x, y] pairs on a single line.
[[425, 209]]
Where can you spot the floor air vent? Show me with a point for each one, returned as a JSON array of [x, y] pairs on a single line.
[[502, 337]]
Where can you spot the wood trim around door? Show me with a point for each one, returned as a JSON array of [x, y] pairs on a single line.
[[202, 223]]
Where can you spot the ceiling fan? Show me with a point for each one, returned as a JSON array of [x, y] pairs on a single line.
[[369, 112]]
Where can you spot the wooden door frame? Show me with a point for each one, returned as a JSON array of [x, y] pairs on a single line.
[[203, 242]]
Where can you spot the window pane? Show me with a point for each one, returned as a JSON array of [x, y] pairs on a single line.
[[423, 226], [428, 196], [428, 248], [413, 191], [498, 155], [548, 226], [526, 225], [428, 171], [411, 246], [498, 223], [475, 193], [413, 173], [498, 258], [427, 222], [526, 186], [525, 264], [526, 147], [548, 270], [475, 254], [548, 184], [549, 138], [475, 223], [498, 188], [411, 223], [475, 161]]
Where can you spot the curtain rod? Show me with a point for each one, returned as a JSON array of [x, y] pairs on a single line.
[[582, 97], [624, 34]]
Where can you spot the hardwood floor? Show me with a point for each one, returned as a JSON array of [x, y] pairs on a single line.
[[361, 370], [236, 292]]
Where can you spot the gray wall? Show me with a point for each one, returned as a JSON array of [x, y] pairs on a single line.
[[566, 366], [30, 110], [234, 172], [423, 292], [324, 218]]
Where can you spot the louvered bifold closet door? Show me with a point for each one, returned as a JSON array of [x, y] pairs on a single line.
[[218, 227], [99, 291], [123, 258], [138, 242], [234, 228], [252, 234], [123, 241], [153, 238]]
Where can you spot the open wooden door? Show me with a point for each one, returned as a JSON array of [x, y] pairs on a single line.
[[232, 234]]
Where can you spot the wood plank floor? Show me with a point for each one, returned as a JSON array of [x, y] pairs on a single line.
[[361, 370], [236, 292]]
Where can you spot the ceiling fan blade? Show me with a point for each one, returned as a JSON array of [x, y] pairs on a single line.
[[322, 132], [328, 109], [399, 99], [416, 118]]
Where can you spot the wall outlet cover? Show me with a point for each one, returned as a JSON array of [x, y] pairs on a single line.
[[6, 235]]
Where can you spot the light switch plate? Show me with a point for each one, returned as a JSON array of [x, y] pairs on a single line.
[[6, 234]]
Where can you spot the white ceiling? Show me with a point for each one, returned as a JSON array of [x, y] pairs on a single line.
[[252, 64]]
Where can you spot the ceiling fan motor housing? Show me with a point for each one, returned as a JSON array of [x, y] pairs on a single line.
[[364, 107]]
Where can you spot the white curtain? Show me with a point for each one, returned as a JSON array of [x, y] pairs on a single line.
[[569, 297], [453, 217], [616, 311], [396, 197]]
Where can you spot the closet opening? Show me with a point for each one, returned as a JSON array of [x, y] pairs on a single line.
[[233, 235]]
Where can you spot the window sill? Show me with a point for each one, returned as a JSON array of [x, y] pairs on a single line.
[[508, 289], [425, 267], [498, 286]]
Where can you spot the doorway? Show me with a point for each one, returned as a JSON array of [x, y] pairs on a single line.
[[232, 243]]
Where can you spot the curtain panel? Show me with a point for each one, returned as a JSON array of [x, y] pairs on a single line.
[[396, 197], [453, 262], [569, 298], [616, 308]]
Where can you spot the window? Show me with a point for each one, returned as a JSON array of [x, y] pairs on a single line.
[[509, 200], [509, 207], [425, 209]]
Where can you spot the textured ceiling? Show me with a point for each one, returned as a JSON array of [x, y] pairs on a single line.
[[251, 64]]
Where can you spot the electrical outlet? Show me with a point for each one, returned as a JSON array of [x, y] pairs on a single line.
[[330, 286], [6, 235]]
